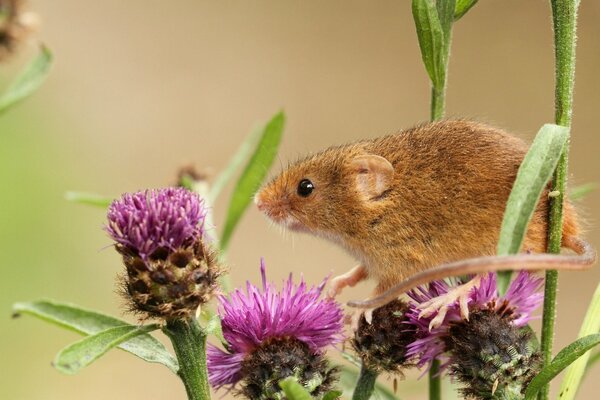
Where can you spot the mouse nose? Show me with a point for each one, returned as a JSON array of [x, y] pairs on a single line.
[[259, 203]]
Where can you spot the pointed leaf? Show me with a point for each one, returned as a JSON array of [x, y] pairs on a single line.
[[293, 390], [90, 322], [90, 199], [431, 39], [349, 377], [532, 177], [462, 7], [562, 360], [87, 350], [590, 325], [28, 81], [214, 327], [581, 191], [333, 395], [242, 154], [253, 175]]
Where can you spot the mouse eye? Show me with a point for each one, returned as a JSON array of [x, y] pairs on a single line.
[[305, 187]]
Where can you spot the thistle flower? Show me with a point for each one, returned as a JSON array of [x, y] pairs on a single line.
[[272, 335], [491, 352], [382, 344], [160, 234], [15, 25]]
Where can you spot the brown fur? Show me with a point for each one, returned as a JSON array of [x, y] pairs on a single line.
[[446, 201]]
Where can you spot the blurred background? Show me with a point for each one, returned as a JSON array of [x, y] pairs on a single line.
[[140, 88]]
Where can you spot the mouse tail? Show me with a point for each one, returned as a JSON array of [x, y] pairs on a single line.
[[584, 258]]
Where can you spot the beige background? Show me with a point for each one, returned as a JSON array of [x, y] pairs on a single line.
[[142, 87]]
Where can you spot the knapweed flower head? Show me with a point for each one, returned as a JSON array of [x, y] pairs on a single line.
[[491, 352], [382, 343], [171, 269], [272, 335]]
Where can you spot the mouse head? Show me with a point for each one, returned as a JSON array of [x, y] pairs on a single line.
[[327, 193]]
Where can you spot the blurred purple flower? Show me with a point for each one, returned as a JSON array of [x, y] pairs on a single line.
[[164, 218], [252, 319], [517, 304]]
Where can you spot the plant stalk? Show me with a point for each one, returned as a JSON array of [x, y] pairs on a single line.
[[189, 342], [435, 383], [365, 385], [564, 17]]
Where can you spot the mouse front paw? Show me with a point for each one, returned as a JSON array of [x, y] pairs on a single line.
[[350, 278]]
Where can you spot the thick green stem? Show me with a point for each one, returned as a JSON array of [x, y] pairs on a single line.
[[564, 16], [365, 385], [438, 103], [435, 383], [189, 342]]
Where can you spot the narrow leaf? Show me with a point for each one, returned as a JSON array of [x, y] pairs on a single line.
[[253, 175], [87, 350], [333, 395], [431, 39], [590, 325], [594, 358], [532, 177], [581, 191], [90, 199], [445, 10], [213, 327], [462, 7], [562, 360], [293, 390], [349, 377], [241, 155], [89, 322], [28, 81]]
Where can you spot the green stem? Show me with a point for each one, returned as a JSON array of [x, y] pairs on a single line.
[[435, 383], [564, 17], [189, 342], [438, 103], [365, 385]]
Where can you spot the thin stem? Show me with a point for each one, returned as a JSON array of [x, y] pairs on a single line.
[[189, 342], [435, 383], [438, 103], [564, 16], [365, 385]]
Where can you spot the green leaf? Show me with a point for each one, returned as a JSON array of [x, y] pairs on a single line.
[[590, 325], [28, 81], [431, 39], [253, 175], [581, 191], [462, 7], [90, 199], [532, 177], [594, 358], [90, 322], [213, 327], [349, 377], [293, 390], [562, 360], [242, 154], [445, 10], [82, 353], [332, 395]]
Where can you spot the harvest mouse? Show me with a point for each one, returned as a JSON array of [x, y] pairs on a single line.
[[410, 206]]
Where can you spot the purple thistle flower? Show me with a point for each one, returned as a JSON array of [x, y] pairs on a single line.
[[256, 319], [164, 218], [518, 303]]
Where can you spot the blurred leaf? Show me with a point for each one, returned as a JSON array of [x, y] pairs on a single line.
[[594, 358], [462, 7], [253, 175], [90, 199], [242, 154], [590, 325], [532, 177], [213, 327], [293, 390], [581, 191], [352, 359], [28, 81], [562, 360], [87, 350], [431, 39], [332, 395], [90, 322], [349, 377]]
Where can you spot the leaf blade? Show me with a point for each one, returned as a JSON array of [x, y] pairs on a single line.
[[293, 390], [28, 80], [253, 175], [462, 7], [90, 322], [431, 39], [82, 353], [562, 360], [90, 199]]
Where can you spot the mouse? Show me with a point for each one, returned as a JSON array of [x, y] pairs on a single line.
[[419, 205]]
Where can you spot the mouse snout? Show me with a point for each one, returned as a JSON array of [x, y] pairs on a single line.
[[275, 208]]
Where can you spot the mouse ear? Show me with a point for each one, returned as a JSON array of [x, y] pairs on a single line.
[[373, 174]]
